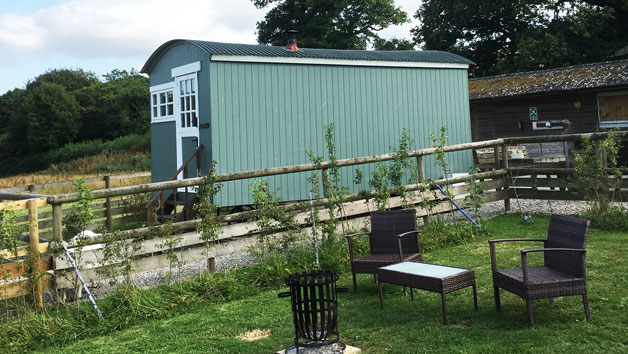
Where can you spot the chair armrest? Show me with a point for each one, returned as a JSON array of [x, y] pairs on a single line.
[[554, 249], [524, 257], [349, 239], [491, 244], [517, 240], [400, 236], [408, 233], [358, 234]]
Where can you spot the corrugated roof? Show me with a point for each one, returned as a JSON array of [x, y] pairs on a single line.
[[217, 48], [610, 74]]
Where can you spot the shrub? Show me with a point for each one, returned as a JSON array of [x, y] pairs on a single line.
[[437, 234]]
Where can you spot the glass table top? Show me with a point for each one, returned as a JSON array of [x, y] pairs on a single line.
[[424, 269]]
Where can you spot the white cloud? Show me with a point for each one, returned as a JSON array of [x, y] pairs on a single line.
[[90, 29], [123, 28]]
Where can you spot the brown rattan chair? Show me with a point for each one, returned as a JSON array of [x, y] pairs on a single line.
[[563, 272], [393, 239]]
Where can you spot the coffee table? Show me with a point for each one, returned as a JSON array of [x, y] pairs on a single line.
[[426, 276]]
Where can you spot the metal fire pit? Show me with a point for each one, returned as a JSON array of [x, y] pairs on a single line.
[[314, 307]]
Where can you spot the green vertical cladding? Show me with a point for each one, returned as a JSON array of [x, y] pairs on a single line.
[[269, 115], [164, 163], [163, 151]]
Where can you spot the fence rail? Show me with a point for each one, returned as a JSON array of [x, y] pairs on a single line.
[[502, 183], [100, 182]]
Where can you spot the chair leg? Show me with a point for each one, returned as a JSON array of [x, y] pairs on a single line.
[[530, 315], [355, 284], [381, 296], [585, 301], [498, 304]]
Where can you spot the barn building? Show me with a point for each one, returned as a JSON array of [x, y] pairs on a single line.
[[592, 97], [255, 106]]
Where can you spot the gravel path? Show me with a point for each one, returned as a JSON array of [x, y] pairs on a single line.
[[155, 277]]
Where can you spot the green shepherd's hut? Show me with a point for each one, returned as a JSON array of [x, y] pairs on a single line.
[[257, 106]]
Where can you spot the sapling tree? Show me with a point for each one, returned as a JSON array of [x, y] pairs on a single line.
[[207, 209]]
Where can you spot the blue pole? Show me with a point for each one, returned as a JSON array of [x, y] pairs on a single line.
[[459, 208]]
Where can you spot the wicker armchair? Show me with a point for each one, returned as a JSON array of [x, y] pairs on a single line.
[[563, 272], [393, 239]]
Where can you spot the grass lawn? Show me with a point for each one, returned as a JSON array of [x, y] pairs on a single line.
[[415, 327]]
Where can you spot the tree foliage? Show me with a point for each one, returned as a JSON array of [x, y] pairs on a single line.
[[393, 44], [53, 117], [521, 35], [338, 24], [64, 106]]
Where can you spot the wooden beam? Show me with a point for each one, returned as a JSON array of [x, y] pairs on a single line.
[[20, 287], [158, 186], [23, 204]]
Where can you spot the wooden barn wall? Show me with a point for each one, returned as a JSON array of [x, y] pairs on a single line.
[[499, 118], [268, 115], [163, 143]]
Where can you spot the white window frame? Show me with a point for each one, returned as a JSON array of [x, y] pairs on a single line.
[[182, 73], [155, 92]]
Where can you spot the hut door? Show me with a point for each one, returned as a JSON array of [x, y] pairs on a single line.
[[186, 120]]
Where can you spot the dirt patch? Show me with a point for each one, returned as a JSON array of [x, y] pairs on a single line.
[[254, 335]]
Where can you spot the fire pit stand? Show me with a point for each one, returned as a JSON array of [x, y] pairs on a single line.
[[314, 307]]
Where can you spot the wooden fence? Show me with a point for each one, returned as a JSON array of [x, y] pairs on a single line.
[[110, 212], [239, 232], [26, 272], [99, 182]]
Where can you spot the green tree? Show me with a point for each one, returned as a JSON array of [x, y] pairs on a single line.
[[53, 117], [70, 79], [338, 24], [508, 36], [393, 44], [119, 106]]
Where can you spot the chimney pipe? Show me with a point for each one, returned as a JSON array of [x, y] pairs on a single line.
[[292, 41]]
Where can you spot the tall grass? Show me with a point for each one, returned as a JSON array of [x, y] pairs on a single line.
[[133, 145]]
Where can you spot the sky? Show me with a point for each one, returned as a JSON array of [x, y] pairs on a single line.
[[102, 35]]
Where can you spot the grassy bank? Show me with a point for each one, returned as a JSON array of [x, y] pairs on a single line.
[[211, 317]]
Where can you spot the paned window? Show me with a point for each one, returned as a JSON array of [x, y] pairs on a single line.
[[162, 104], [187, 97]]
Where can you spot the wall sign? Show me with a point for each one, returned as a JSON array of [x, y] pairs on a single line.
[[533, 114]]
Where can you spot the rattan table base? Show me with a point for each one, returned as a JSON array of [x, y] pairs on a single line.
[[431, 277]]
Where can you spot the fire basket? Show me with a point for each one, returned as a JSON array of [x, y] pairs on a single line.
[[314, 307]]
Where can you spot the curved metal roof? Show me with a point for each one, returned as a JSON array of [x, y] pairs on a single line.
[[217, 48]]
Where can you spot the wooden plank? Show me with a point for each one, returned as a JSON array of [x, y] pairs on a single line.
[[22, 204], [23, 251], [19, 268], [351, 209], [65, 278], [158, 186], [20, 288]]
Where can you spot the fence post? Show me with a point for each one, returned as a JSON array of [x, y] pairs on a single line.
[[325, 182], [109, 221], [33, 231], [211, 265], [496, 157], [420, 170], [506, 178], [57, 226]]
